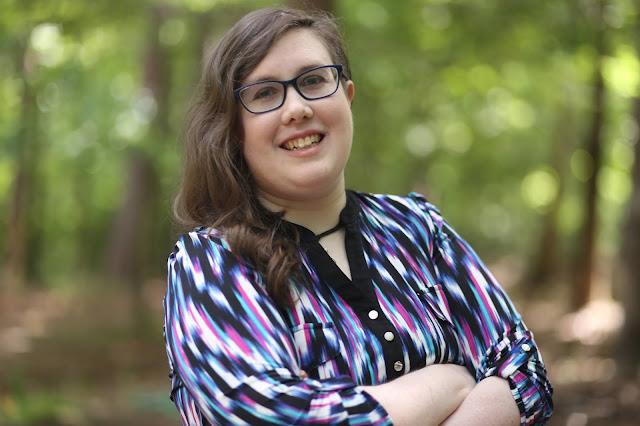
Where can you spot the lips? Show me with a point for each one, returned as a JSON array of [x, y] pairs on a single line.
[[302, 143]]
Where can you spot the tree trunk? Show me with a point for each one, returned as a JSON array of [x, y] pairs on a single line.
[[17, 250], [156, 69], [545, 264], [125, 257], [628, 280], [584, 264], [133, 237]]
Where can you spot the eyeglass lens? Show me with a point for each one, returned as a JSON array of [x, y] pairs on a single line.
[[313, 84]]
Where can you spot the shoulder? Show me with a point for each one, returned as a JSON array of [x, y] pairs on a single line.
[[200, 239], [197, 242], [202, 261], [205, 245], [411, 208]]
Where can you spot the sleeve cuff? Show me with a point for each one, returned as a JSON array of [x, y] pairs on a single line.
[[516, 358]]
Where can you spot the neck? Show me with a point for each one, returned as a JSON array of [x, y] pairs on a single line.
[[317, 215]]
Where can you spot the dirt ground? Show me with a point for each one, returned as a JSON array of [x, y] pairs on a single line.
[[77, 359]]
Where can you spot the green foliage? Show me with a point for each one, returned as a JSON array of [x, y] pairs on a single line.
[[468, 102], [19, 407], [465, 101]]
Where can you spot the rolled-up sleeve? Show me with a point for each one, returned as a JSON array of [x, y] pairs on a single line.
[[232, 356], [493, 338]]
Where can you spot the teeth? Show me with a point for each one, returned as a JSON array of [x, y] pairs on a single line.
[[301, 143]]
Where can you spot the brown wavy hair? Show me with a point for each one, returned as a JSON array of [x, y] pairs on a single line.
[[217, 188]]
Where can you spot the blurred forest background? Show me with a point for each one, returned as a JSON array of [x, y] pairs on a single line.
[[519, 119]]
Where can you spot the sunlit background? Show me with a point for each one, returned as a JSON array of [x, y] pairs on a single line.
[[519, 120]]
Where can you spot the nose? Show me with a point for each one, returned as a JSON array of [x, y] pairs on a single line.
[[295, 108]]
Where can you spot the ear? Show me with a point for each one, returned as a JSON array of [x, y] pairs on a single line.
[[350, 91]]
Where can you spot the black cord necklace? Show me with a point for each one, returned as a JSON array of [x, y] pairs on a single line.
[[330, 231]]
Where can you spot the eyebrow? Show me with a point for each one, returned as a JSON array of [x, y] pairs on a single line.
[[269, 77]]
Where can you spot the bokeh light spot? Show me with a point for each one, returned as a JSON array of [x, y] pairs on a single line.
[[540, 188], [420, 140], [373, 15], [581, 164], [172, 32], [614, 185]]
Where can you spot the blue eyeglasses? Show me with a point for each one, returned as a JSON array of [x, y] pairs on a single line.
[[265, 96]]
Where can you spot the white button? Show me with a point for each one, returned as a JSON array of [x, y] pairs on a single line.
[[398, 366], [388, 336], [373, 314], [526, 347]]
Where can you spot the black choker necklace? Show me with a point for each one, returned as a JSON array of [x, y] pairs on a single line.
[[330, 231]]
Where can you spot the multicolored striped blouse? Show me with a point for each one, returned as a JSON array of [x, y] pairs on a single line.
[[418, 295]]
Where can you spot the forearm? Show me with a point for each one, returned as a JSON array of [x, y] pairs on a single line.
[[424, 397], [490, 402]]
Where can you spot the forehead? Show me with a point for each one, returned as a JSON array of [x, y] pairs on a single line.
[[293, 52]]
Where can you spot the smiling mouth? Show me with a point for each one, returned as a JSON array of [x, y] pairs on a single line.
[[302, 143]]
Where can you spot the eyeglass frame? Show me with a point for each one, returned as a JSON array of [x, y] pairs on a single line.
[[285, 83]]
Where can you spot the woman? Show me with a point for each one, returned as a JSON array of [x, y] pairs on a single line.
[[300, 302]]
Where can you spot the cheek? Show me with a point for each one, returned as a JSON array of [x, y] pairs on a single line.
[[250, 156], [258, 127], [252, 133], [344, 119]]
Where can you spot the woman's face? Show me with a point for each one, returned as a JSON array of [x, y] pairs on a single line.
[[282, 173]]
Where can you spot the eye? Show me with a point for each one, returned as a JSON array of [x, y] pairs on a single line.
[[264, 92], [312, 80]]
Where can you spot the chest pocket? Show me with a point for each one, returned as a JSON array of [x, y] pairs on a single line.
[[317, 344], [436, 301], [444, 332]]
